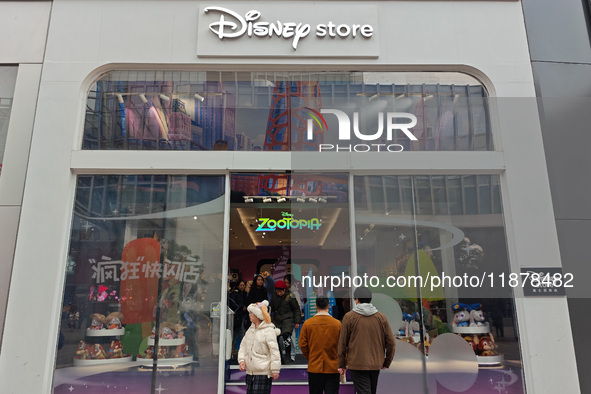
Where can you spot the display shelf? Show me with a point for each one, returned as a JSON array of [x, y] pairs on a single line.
[[115, 332], [490, 360], [170, 362], [471, 330], [167, 342], [85, 363]]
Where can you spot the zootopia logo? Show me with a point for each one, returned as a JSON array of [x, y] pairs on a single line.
[[287, 223]]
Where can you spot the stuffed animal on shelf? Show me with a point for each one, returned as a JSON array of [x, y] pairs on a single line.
[[472, 341], [116, 349], [477, 316], [97, 321], [461, 315], [167, 331], [82, 352], [162, 352], [487, 346], [97, 352], [114, 320], [179, 330], [179, 351], [149, 352]]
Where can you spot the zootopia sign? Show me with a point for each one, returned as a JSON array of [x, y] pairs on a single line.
[[288, 222]]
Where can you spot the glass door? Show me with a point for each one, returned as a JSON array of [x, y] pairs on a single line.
[[292, 230]]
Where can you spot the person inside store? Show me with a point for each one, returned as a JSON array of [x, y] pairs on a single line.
[[237, 301], [319, 343], [259, 353], [293, 289], [366, 343], [269, 283], [286, 317], [258, 292]]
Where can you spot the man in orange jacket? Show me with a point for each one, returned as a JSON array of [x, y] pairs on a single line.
[[318, 343]]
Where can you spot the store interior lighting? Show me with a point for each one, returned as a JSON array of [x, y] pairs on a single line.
[[281, 199], [120, 98], [164, 97], [199, 97], [143, 98]]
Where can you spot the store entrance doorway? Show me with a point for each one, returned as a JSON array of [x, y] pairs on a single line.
[[290, 228]]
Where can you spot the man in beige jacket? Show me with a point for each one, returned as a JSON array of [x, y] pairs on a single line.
[[366, 343]]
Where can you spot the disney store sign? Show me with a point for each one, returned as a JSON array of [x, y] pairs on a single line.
[[232, 25], [281, 30]]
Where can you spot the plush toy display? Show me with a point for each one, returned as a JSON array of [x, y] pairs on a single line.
[[167, 331], [116, 350], [410, 325], [83, 351], [461, 315], [476, 332], [487, 346], [114, 320], [97, 352], [149, 352], [97, 321], [179, 330], [477, 316]]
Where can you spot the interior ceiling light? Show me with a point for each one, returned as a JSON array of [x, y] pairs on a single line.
[[373, 97], [312, 199], [248, 200], [120, 98], [199, 97], [143, 98], [300, 199], [281, 199], [322, 200], [164, 97], [267, 199]]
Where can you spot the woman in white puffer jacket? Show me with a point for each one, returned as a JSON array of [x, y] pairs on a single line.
[[259, 353]]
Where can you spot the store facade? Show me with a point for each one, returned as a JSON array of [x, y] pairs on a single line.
[[181, 147]]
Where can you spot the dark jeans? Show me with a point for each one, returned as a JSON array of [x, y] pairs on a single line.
[[327, 383], [365, 382]]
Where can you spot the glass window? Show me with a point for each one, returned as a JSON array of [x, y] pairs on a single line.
[[7, 83], [141, 305], [287, 111], [438, 255]]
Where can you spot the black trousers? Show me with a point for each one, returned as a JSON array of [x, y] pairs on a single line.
[[284, 341], [365, 382], [327, 383]]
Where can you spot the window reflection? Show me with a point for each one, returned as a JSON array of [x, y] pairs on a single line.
[[143, 283], [430, 227], [272, 111]]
